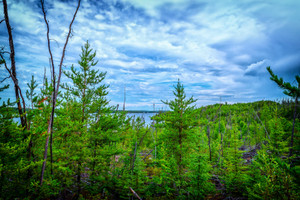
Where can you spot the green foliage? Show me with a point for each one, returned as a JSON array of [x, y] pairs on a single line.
[[272, 178], [86, 86], [292, 91], [13, 162], [30, 94], [178, 123], [214, 152], [198, 174], [234, 175]]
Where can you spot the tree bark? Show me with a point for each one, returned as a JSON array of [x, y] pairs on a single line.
[[55, 85], [13, 72]]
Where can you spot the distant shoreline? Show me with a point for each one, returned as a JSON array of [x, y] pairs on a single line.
[[127, 111], [140, 111]]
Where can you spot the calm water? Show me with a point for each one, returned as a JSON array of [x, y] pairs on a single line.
[[145, 116]]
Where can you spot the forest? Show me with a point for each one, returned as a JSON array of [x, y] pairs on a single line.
[[70, 143]]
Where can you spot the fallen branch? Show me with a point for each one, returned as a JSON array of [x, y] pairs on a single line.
[[147, 154], [135, 194]]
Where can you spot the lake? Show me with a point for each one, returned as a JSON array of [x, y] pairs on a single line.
[[144, 115]]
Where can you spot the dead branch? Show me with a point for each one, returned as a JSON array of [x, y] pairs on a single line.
[[48, 42], [53, 95], [147, 154], [135, 149], [134, 156], [142, 138], [2, 52], [4, 79], [135, 194], [55, 85], [64, 49]]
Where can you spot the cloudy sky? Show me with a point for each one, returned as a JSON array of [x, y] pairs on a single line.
[[218, 49]]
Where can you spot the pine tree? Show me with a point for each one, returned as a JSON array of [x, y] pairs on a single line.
[[30, 94], [178, 124], [13, 162], [98, 128], [86, 82], [292, 91]]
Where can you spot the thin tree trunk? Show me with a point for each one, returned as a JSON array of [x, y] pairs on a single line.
[[55, 85], [134, 155], [51, 152], [293, 129], [94, 162], [50, 125], [155, 143], [46, 151], [124, 98], [220, 132], [147, 154], [180, 151], [208, 135], [13, 72], [79, 179], [266, 131]]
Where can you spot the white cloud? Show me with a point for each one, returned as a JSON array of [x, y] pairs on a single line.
[[256, 68], [211, 50]]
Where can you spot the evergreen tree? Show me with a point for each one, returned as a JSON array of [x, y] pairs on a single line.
[[86, 82], [30, 94], [13, 144], [292, 91], [178, 124], [98, 128], [272, 178], [235, 175]]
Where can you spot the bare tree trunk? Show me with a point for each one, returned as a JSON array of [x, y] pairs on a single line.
[[134, 156], [180, 152], [137, 145], [79, 179], [208, 135], [266, 131], [124, 98], [293, 129], [12, 71], [55, 85], [220, 132]]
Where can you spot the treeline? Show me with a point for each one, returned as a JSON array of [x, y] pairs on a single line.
[[71, 144], [213, 152]]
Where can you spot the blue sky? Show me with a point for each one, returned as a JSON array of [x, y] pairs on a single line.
[[216, 48]]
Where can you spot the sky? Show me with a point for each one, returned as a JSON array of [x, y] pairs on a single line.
[[218, 49]]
